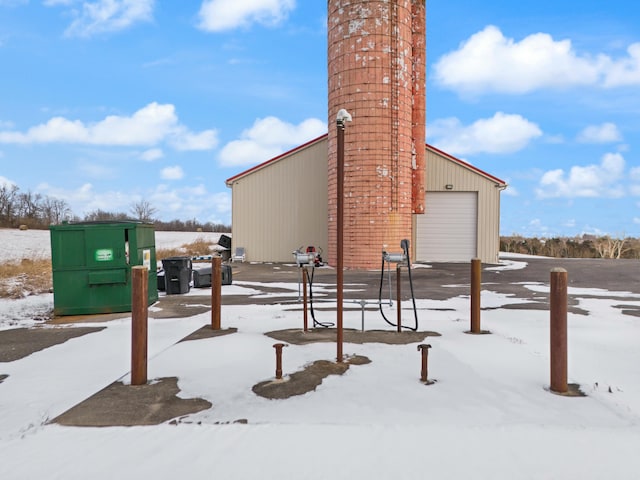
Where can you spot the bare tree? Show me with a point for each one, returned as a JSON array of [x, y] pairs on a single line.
[[618, 248], [8, 207], [55, 210], [143, 211], [29, 206], [102, 216]]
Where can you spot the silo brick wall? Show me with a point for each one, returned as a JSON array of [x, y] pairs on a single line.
[[370, 70], [419, 107]]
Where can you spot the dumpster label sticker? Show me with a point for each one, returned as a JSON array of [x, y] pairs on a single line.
[[146, 258], [104, 255]]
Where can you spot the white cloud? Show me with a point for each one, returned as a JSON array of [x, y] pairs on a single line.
[[186, 202], [625, 72], [105, 16], [634, 176], [97, 171], [152, 154], [490, 62], [604, 133], [590, 181], [220, 15], [191, 202], [172, 173], [502, 133], [148, 126], [205, 140], [267, 138], [85, 199], [5, 182], [511, 191]]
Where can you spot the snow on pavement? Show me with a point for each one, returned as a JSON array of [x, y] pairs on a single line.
[[488, 416]]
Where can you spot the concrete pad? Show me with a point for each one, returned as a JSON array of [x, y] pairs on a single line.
[[128, 405]]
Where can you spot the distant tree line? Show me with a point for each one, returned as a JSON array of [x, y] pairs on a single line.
[[585, 246], [37, 211], [31, 209]]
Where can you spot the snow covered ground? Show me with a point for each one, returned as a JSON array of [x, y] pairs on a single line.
[[18, 244], [488, 416]]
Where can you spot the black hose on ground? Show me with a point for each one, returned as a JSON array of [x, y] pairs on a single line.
[[405, 246], [313, 315]]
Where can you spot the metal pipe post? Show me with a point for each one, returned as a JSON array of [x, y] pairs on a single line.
[[278, 347], [216, 292], [304, 299], [339, 240], [558, 330], [139, 320], [399, 297], [424, 372], [476, 282]]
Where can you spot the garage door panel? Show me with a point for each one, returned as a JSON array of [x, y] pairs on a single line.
[[447, 232]]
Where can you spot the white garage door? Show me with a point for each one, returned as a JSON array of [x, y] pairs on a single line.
[[448, 231]]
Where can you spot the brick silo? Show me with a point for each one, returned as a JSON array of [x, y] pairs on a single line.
[[376, 70]]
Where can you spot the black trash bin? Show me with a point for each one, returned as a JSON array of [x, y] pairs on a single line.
[[202, 276], [177, 274], [227, 277], [161, 283]]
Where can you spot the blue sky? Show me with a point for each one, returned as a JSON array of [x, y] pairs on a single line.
[[108, 102]]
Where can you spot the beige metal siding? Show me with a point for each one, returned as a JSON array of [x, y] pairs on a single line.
[[448, 230], [283, 206], [441, 172]]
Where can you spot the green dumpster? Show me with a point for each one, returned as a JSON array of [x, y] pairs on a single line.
[[91, 263]]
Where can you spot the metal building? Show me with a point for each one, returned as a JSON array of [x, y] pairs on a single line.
[[282, 204]]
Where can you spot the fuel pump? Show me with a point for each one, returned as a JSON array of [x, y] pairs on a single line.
[[310, 258], [400, 259]]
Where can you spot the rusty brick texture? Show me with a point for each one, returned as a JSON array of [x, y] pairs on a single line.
[[376, 58]]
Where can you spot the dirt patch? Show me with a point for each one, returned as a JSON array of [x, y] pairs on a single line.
[[573, 390], [130, 405], [307, 379], [18, 343], [167, 306], [300, 337], [571, 307], [631, 310], [182, 306], [207, 332]]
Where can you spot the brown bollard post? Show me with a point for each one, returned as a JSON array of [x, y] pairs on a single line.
[[216, 292], [399, 297], [278, 347], [558, 330], [340, 242], [476, 281], [139, 320], [304, 299], [424, 372]]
